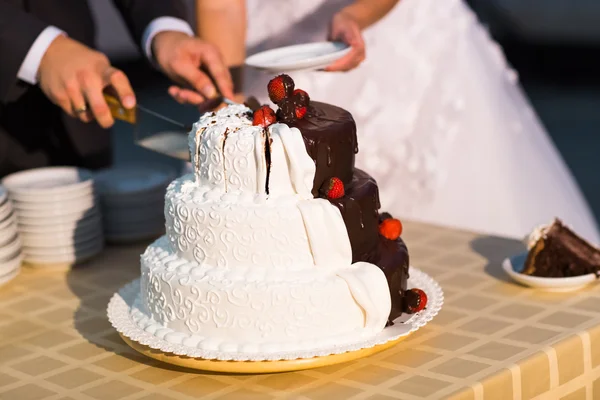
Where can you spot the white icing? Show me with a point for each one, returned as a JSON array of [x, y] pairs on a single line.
[[326, 231], [301, 167], [256, 304], [233, 230]]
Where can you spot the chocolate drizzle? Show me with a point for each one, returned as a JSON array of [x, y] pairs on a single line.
[[223, 155], [267, 158]]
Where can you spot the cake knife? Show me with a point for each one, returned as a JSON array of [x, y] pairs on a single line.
[[171, 136]]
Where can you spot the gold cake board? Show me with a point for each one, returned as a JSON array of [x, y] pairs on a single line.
[[257, 367]]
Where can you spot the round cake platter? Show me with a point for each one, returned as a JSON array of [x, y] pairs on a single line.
[[122, 303]]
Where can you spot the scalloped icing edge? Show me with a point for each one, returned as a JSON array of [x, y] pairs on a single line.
[[121, 307]]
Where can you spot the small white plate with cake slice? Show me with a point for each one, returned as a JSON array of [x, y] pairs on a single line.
[[558, 260], [309, 56], [515, 265]]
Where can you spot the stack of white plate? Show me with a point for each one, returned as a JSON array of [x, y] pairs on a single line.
[[59, 221], [11, 255], [132, 199]]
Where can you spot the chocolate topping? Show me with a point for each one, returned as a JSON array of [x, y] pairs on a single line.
[[562, 253], [359, 210], [329, 133], [412, 301], [392, 257]]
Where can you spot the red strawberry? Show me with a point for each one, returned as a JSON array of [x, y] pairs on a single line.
[[264, 117], [390, 228], [300, 112], [301, 97], [415, 300], [333, 188], [280, 87]]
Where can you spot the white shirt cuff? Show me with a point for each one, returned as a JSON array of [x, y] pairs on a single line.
[[162, 24], [29, 68]]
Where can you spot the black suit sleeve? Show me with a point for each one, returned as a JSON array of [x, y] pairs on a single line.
[[18, 31], [139, 13]]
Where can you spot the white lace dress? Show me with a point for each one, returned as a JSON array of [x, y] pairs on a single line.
[[442, 122]]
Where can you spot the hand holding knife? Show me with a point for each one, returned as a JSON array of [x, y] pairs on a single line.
[[171, 141]]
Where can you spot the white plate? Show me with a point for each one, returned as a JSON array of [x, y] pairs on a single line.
[[4, 279], [12, 247], [36, 199], [5, 210], [7, 234], [8, 221], [58, 212], [3, 194], [56, 207], [75, 249], [62, 259], [122, 312], [134, 179], [50, 240], [48, 181], [8, 266], [308, 56], [87, 229], [514, 265], [50, 220], [70, 228]]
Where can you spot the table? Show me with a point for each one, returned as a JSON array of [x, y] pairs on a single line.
[[492, 340]]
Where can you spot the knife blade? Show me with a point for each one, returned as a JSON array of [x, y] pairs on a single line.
[[171, 137]]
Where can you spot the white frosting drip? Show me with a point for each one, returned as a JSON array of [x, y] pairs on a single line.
[[326, 232], [301, 167]]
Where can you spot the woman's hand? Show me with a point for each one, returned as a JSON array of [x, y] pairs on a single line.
[[345, 29], [73, 76]]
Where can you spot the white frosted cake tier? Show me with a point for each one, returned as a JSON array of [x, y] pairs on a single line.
[[229, 154], [222, 229], [250, 306]]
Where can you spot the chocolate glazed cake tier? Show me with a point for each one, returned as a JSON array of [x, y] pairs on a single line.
[[359, 210], [329, 133], [392, 257]]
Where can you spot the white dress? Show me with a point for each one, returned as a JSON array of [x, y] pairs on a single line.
[[443, 124]]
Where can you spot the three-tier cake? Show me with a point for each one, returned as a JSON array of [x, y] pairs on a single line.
[[275, 240]]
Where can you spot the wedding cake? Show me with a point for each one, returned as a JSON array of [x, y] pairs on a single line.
[[275, 240]]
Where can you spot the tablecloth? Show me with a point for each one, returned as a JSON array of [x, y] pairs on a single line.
[[492, 340]]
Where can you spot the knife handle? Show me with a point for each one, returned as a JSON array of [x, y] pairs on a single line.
[[118, 111]]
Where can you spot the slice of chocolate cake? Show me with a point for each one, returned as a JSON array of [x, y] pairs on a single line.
[[555, 251]]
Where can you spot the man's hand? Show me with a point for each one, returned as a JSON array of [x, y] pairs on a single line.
[[180, 58], [345, 29], [73, 76]]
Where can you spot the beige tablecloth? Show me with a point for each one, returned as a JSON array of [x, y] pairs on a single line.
[[492, 340]]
